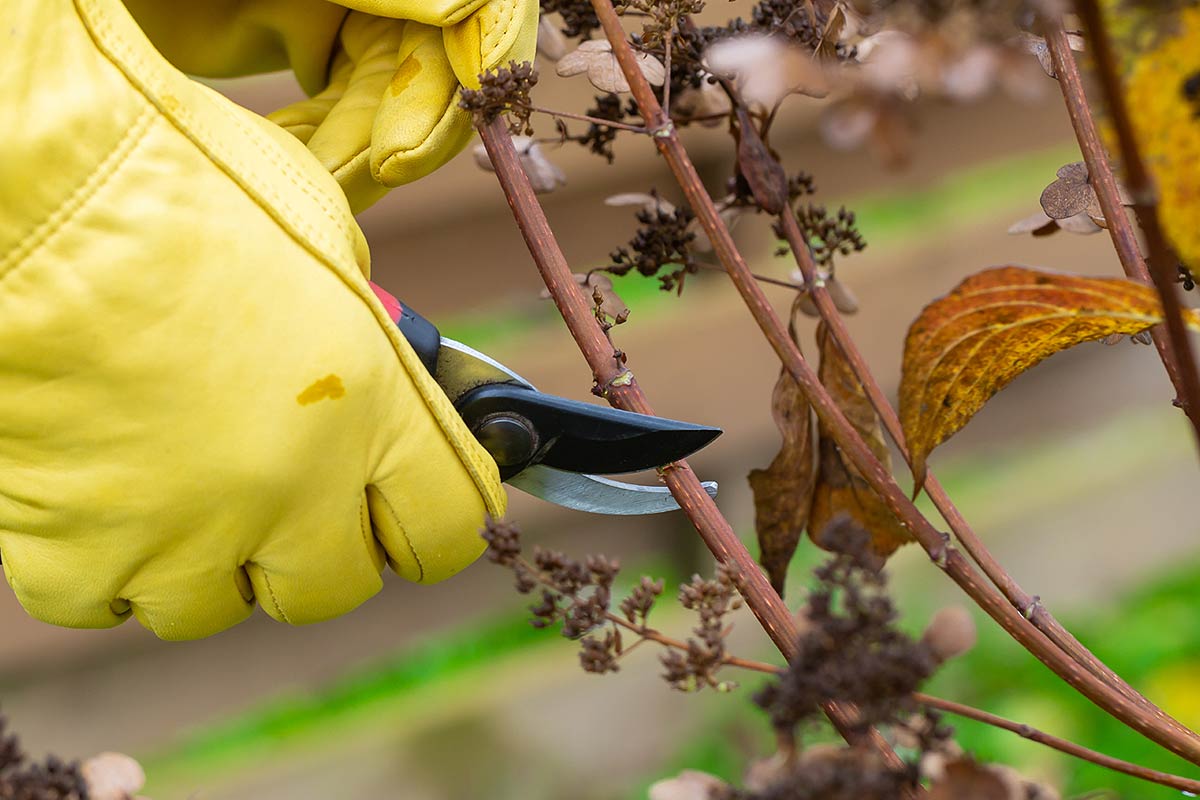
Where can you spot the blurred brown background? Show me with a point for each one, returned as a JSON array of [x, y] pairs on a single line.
[[448, 247]]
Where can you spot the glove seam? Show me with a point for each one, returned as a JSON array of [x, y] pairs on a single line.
[[125, 58], [75, 202], [404, 536], [271, 592]]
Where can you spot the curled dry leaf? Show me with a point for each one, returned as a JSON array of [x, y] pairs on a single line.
[[767, 69], [783, 491], [543, 173], [552, 44], [762, 171], [1071, 194], [729, 215], [649, 202], [596, 58], [843, 299], [112, 776], [841, 491], [1039, 224], [967, 346], [1036, 45]]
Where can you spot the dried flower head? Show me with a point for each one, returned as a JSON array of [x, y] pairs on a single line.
[[504, 89]]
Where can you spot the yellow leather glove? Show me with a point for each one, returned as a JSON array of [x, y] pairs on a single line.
[[201, 401], [384, 77]]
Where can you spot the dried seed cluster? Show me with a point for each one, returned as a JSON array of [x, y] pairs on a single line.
[[663, 241], [851, 650], [22, 779], [827, 235], [711, 598], [500, 90], [579, 595]]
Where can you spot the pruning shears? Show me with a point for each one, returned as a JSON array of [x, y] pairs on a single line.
[[549, 446]]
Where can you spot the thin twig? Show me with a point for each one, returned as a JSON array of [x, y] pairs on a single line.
[[1162, 260], [655, 636], [1104, 182], [1062, 745], [608, 123], [851, 443], [617, 384]]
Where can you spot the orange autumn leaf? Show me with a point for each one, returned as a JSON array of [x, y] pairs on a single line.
[[968, 345], [841, 491], [783, 491]]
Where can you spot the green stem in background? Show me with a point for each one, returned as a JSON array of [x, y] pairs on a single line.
[[852, 445]]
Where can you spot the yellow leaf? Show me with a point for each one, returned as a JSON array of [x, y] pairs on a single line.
[[968, 345], [841, 491], [1163, 97]]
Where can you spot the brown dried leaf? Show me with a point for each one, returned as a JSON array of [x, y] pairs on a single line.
[[964, 779], [767, 69], [841, 491], [765, 175], [544, 174], [596, 58], [1071, 194], [968, 345], [783, 491], [1037, 223], [551, 43]]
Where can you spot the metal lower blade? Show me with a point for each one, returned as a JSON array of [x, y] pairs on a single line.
[[595, 494]]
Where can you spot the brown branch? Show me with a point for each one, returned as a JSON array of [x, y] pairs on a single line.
[[852, 445], [619, 387], [1029, 606], [1104, 182], [1062, 745]]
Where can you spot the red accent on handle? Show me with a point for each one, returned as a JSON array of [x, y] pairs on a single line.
[[394, 309]]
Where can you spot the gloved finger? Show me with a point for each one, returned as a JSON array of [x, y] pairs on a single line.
[[499, 32], [340, 138], [418, 125], [201, 597], [426, 539], [43, 575], [316, 570], [302, 118], [428, 12]]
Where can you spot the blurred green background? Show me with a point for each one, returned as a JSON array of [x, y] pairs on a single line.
[[1080, 476]]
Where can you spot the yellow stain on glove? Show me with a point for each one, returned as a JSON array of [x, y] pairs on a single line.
[[174, 272], [383, 75]]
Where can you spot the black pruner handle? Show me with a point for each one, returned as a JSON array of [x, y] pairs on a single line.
[[419, 332]]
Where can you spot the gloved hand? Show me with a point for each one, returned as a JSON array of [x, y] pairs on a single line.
[[384, 78], [202, 403]]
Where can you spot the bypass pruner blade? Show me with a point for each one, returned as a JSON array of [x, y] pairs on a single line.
[[549, 446]]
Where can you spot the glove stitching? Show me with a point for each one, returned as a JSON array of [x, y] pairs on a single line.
[[404, 537], [56, 220], [503, 17], [109, 41], [124, 57], [271, 592]]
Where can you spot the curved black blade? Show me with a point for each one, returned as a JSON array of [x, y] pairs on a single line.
[[582, 437]]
